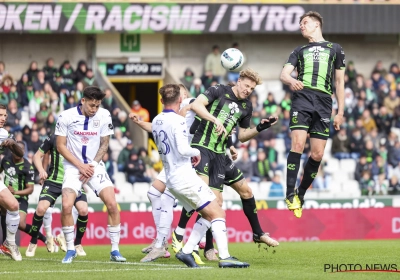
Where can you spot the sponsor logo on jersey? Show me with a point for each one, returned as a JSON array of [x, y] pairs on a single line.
[[96, 123], [234, 108], [316, 54], [85, 133], [84, 140], [11, 171]]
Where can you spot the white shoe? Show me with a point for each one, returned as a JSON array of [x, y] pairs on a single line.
[[11, 251], [30, 251], [79, 251], [50, 244], [60, 240]]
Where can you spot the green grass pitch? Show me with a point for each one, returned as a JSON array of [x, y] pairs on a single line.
[[294, 261]]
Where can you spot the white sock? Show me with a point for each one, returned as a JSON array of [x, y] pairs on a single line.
[[114, 236], [155, 199], [75, 214], [12, 222], [69, 234], [180, 231], [199, 229], [196, 248], [47, 220], [218, 228], [166, 217], [203, 239]]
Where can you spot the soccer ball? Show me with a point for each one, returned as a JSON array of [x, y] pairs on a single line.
[[232, 59]]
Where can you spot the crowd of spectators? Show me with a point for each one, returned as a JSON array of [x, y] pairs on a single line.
[[41, 94], [369, 134]]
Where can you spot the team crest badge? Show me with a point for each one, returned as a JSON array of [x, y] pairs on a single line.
[[96, 123]]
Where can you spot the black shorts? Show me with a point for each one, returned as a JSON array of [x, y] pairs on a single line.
[[212, 165], [232, 173], [311, 111], [23, 205], [51, 191]]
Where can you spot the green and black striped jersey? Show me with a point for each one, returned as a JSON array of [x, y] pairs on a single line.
[[224, 105], [56, 169], [17, 174], [315, 63]]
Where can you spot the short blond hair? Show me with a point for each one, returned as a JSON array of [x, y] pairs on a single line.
[[250, 74]]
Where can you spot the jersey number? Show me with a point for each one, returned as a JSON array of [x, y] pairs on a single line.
[[102, 180], [163, 147]]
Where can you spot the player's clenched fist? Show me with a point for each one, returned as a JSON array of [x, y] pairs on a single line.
[[219, 127], [196, 160]]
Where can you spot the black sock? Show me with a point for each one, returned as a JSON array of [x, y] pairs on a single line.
[[40, 236], [250, 210], [37, 222], [3, 228], [209, 241], [293, 164], [310, 171], [183, 220], [81, 223]]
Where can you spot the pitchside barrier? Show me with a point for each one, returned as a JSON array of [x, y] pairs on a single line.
[[315, 225]]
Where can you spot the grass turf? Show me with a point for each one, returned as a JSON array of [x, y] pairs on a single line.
[[302, 260]]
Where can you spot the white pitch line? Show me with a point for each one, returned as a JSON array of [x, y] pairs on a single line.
[[110, 262], [95, 270]]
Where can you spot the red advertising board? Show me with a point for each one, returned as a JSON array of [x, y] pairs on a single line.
[[318, 224]]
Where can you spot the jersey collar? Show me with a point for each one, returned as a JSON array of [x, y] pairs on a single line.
[[168, 111], [79, 109]]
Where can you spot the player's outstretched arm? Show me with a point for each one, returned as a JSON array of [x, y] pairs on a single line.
[[339, 82], [13, 146], [287, 79], [85, 169], [245, 134], [182, 144], [104, 141], [143, 125], [199, 107]]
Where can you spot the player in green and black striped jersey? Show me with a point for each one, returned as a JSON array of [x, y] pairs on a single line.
[[19, 178], [317, 64], [221, 108], [52, 185]]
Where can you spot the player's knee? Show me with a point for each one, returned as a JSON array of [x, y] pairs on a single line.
[[297, 146], [82, 211], [112, 207], [246, 193], [317, 155], [41, 210], [66, 208], [13, 205]]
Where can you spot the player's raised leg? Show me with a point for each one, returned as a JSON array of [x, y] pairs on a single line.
[[299, 137], [10, 203], [310, 169]]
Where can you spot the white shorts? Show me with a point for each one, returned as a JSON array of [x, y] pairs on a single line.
[[192, 193], [97, 183], [162, 177]]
